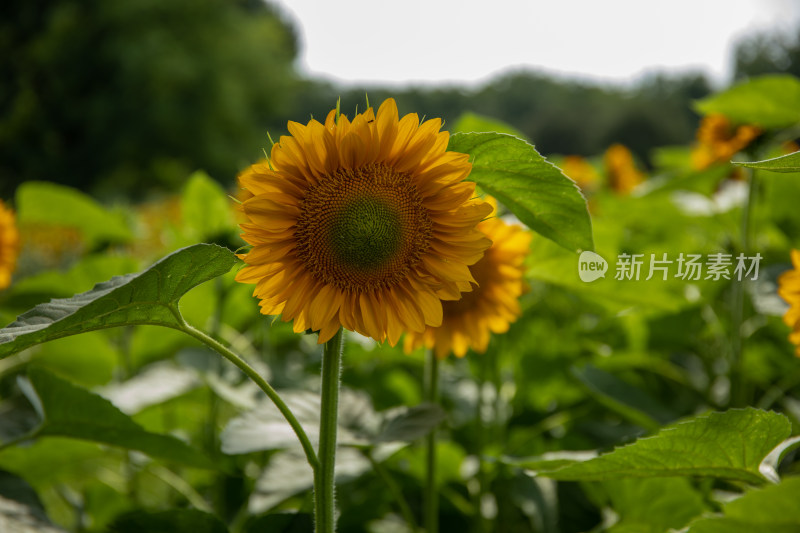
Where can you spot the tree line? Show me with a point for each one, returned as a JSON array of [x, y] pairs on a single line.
[[126, 97]]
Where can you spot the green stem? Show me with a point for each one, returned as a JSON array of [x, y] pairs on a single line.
[[223, 350], [431, 493], [324, 476], [394, 489]]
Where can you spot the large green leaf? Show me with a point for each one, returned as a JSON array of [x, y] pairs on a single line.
[[729, 445], [785, 163], [70, 411], [533, 189], [774, 508], [41, 202], [147, 298], [769, 101]]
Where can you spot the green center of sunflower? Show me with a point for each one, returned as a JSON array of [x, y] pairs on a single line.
[[362, 229], [365, 234]]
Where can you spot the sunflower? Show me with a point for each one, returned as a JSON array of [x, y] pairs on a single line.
[[789, 290], [623, 176], [581, 171], [491, 306], [718, 141], [9, 245], [366, 224]]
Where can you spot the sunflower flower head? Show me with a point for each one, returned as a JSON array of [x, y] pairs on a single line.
[[493, 303], [9, 245], [366, 224], [718, 140], [623, 176], [789, 290]]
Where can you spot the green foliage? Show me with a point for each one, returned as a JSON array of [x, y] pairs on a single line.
[[45, 203], [185, 85], [205, 209], [69, 411], [652, 505], [147, 298], [631, 402], [175, 521], [787, 163], [533, 189], [280, 523], [767, 52], [769, 101], [730, 445], [773, 508]]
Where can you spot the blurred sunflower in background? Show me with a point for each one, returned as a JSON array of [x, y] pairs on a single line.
[[9, 245], [366, 224], [718, 140], [580, 171], [623, 176], [789, 290], [491, 306]]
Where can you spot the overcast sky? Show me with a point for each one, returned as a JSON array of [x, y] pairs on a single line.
[[468, 41]]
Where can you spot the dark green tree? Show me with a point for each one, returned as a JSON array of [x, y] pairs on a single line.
[[767, 53], [121, 96]]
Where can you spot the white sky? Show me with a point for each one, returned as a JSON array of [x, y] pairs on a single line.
[[433, 41]]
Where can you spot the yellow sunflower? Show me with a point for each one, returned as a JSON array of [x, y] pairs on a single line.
[[9, 245], [581, 171], [789, 290], [491, 306], [718, 141], [623, 176], [366, 224]]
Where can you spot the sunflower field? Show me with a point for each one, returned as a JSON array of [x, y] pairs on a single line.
[[391, 325]]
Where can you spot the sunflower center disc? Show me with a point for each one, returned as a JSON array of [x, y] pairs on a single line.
[[366, 234], [361, 229]]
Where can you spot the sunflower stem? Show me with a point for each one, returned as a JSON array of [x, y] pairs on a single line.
[[324, 476], [431, 494], [254, 376]]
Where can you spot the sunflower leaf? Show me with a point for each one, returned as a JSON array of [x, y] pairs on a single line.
[[771, 101], [785, 163], [149, 297], [728, 445], [772, 509], [532, 188], [70, 411]]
